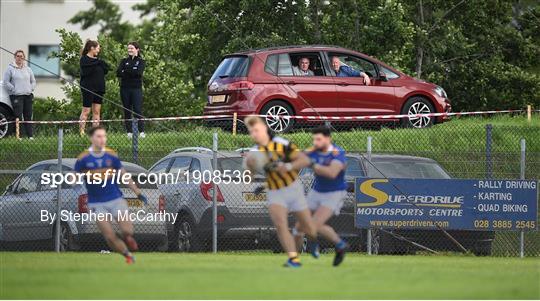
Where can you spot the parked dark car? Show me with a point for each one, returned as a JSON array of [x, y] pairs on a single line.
[[262, 81], [399, 166], [22, 203]]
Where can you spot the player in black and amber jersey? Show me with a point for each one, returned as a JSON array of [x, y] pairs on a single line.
[[285, 193]]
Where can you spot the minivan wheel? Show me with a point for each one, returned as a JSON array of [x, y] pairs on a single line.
[[276, 116], [417, 105], [5, 127]]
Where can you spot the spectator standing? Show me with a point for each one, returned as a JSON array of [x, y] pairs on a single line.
[[130, 71], [93, 71], [20, 84]]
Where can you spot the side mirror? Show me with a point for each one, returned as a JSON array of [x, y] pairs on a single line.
[[382, 76]]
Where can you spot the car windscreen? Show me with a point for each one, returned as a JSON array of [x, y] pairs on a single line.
[[406, 169], [230, 67], [230, 163]]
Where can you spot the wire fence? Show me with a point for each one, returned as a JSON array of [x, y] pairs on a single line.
[[181, 215]]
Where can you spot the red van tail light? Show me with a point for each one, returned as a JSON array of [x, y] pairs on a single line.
[[161, 204], [82, 203], [206, 190], [241, 85]]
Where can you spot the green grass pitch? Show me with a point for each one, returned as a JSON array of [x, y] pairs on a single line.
[[260, 276]]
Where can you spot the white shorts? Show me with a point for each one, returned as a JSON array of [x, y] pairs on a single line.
[[114, 207], [291, 197], [333, 200]]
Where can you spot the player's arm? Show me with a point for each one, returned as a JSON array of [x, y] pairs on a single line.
[[131, 184], [297, 160], [329, 171]]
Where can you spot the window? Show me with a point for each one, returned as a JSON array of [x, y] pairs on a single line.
[[315, 63], [389, 74], [234, 66], [30, 181], [53, 168], [40, 56], [357, 63], [402, 169], [180, 164], [354, 168], [195, 165], [280, 62], [161, 167]]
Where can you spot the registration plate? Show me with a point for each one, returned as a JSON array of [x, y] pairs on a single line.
[[217, 98], [254, 197], [134, 203]]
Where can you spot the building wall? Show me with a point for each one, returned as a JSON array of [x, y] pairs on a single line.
[[33, 22]]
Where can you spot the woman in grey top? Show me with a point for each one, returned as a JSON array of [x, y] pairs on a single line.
[[20, 83]]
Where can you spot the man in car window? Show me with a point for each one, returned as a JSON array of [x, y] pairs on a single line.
[[342, 70], [303, 68]]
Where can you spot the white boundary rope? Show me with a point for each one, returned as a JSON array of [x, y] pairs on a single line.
[[226, 116]]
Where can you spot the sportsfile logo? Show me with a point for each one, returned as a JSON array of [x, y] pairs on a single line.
[[371, 196]]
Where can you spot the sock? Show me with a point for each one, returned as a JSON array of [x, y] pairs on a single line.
[[341, 244], [293, 255], [126, 253]]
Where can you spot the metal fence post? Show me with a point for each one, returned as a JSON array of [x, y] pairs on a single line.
[[522, 176], [59, 191], [489, 162], [214, 194], [368, 236], [135, 140]]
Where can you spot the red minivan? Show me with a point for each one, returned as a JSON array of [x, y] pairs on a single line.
[[268, 82]]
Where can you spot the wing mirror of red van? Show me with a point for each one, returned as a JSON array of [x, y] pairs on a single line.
[[382, 76]]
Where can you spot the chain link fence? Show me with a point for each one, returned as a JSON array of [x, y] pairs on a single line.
[[183, 151]]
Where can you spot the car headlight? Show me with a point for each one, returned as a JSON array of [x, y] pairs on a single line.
[[440, 91]]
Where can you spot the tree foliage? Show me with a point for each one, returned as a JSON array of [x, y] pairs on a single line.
[[486, 54]]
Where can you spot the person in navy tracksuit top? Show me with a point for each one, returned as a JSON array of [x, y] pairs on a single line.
[[130, 71]]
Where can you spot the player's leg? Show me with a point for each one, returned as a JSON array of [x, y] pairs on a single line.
[[320, 217], [120, 208], [278, 214], [298, 237], [118, 245], [306, 226], [126, 227]]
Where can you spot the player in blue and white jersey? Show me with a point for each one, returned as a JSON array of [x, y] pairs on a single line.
[[99, 164], [325, 198]]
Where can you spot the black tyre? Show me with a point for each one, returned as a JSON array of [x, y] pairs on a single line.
[[277, 113], [5, 127], [417, 105], [67, 240], [185, 237]]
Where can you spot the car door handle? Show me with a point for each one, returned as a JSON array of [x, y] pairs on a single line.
[[343, 84], [291, 82]]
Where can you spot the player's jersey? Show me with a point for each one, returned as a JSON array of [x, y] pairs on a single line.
[[323, 184], [93, 163], [280, 150]]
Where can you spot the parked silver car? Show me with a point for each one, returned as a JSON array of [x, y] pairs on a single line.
[[26, 199], [6, 112], [241, 212]]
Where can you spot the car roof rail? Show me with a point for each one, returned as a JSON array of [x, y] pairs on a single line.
[[192, 149], [243, 149]]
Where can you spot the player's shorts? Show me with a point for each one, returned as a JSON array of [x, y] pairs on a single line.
[[291, 197], [333, 200], [89, 98], [114, 207]]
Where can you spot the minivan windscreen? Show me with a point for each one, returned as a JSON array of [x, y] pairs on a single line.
[[233, 66]]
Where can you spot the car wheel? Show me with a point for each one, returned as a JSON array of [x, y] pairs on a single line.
[[417, 105], [5, 127], [276, 116], [184, 238], [67, 240]]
